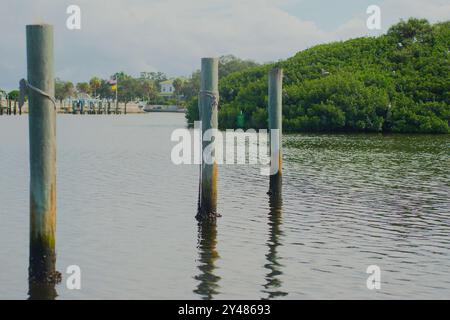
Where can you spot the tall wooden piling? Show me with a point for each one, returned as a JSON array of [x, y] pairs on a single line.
[[275, 123], [208, 109], [42, 132]]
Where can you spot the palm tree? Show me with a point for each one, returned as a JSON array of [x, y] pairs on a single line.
[[95, 84]]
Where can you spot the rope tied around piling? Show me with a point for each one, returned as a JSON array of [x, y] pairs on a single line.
[[24, 86], [214, 95]]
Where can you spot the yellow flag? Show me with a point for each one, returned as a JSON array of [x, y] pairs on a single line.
[[114, 87]]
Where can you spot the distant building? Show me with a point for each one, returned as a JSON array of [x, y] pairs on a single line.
[[84, 96], [167, 88]]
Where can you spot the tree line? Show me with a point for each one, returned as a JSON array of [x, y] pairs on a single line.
[[143, 88], [147, 86], [397, 82]]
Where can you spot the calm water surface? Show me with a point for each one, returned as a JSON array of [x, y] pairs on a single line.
[[126, 216]]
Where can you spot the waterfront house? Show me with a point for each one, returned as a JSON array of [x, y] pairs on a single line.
[[167, 88]]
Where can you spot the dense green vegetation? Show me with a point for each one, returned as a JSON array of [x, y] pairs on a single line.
[[398, 82]]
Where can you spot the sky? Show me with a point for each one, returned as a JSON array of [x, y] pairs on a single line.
[[172, 35]]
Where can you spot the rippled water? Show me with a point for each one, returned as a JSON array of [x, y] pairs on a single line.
[[126, 216]]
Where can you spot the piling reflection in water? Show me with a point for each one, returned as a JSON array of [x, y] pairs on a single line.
[[273, 284], [208, 282]]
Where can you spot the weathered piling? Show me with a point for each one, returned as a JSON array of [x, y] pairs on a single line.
[[41, 290], [9, 106], [208, 109], [273, 284], [42, 135], [275, 126]]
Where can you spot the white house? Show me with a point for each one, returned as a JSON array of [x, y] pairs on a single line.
[[167, 88]]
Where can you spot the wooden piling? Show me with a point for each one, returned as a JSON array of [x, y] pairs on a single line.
[[41, 290], [42, 135], [275, 123], [208, 108]]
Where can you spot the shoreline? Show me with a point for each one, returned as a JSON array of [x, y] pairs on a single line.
[[132, 108]]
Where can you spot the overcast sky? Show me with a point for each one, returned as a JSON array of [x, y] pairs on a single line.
[[172, 35]]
